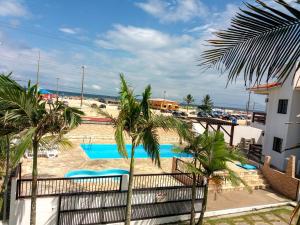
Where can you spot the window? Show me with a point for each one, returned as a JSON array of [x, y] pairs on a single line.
[[282, 106], [277, 144]]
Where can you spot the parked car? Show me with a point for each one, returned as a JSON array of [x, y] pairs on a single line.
[[203, 114], [102, 106], [178, 114]]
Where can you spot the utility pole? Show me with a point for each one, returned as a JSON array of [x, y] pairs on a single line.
[[248, 103], [82, 81], [38, 70], [57, 79]]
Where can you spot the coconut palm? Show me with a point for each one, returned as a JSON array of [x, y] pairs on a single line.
[[25, 107], [212, 155], [137, 121], [188, 99], [207, 104], [260, 41]]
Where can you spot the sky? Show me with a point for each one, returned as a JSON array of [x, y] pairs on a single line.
[[155, 42]]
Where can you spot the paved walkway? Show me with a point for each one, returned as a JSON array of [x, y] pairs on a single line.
[[238, 199]]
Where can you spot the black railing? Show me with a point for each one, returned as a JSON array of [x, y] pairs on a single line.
[[57, 186], [144, 181], [259, 117]]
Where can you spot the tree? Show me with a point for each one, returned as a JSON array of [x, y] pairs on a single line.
[[207, 104], [212, 155], [137, 121], [25, 106], [188, 99], [260, 41]]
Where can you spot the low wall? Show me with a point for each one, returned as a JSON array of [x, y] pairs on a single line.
[[282, 182]]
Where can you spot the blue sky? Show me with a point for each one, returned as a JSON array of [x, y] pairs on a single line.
[[153, 42]]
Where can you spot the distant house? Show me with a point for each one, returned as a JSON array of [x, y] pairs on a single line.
[[163, 104], [280, 124]]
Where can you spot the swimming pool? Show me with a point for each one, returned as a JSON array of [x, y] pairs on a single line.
[[110, 151], [96, 173]]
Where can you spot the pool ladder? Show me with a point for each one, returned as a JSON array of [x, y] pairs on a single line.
[[89, 142]]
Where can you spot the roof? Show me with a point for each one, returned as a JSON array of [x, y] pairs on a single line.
[[161, 99], [264, 88]]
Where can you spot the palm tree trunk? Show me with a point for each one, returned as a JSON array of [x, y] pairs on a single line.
[[192, 221], [6, 179], [34, 183], [204, 203], [130, 185]]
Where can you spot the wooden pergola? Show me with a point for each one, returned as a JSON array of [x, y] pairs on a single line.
[[208, 122]]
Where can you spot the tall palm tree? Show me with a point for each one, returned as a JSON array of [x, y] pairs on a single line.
[[188, 99], [137, 121], [260, 41], [25, 106], [213, 155], [192, 147]]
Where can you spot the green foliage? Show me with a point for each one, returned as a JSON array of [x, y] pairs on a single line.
[[261, 40], [22, 111], [207, 104]]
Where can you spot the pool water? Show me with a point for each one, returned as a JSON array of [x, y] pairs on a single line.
[[110, 151], [247, 166], [95, 173]]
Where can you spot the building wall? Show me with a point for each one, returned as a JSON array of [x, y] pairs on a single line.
[[282, 125], [164, 104]]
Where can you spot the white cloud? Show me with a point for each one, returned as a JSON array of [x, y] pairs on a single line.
[[96, 87], [132, 38], [12, 8], [69, 30], [174, 11]]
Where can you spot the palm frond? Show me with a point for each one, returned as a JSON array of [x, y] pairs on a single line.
[[151, 144], [145, 102], [261, 42]]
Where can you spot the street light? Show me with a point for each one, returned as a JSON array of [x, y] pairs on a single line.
[[82, 81]]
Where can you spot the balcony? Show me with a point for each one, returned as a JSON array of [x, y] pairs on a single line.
[[258, 120]]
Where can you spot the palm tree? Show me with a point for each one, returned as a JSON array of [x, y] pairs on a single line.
[[260, 41], [188, 99], [213, 155], [137, 121], [192, 147], [25, 106], [207, 104]]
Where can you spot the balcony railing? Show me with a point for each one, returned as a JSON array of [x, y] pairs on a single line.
[[259, 117]]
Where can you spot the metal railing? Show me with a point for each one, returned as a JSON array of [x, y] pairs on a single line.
[[57, 186], [259, 117]]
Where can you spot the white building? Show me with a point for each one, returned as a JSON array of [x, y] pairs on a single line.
[[281, 125]]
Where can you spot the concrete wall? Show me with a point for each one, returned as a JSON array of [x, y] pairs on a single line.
[[239, 132], [20, 209]]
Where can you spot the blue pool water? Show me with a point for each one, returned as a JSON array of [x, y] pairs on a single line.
[[110, 151], [247, 166], [95, 173]]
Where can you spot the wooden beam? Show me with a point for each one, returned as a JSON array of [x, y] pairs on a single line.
[[231, 135]]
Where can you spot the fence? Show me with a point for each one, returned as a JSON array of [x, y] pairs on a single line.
[[57, 186], [255, 153], [109, 207]]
